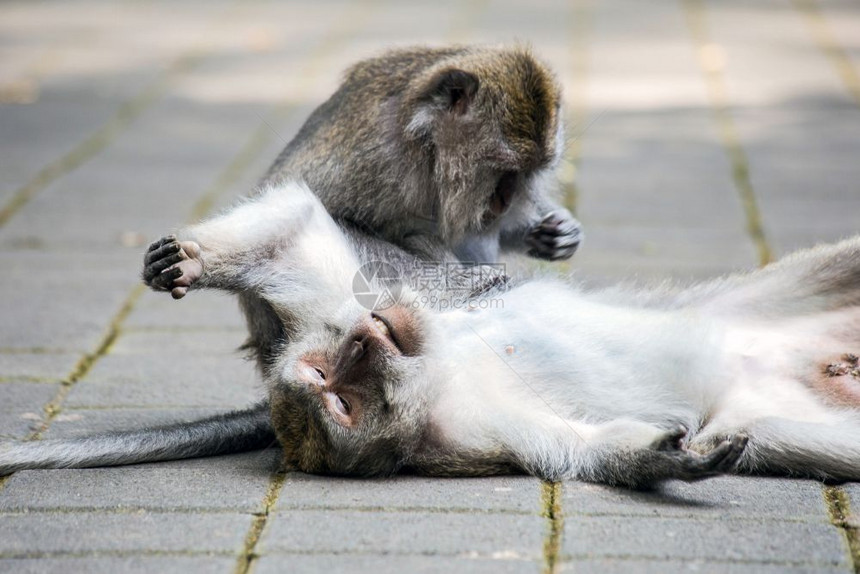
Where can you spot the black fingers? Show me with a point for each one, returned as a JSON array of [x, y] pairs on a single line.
[[155, 268], [161, 251], [556, 237], [160, 255], [164, 281], [159, 242]]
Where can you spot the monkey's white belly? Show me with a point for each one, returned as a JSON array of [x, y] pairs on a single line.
[[589, 360], [782, 367], [601, 362]]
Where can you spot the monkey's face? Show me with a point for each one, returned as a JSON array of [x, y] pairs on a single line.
[[494, 118], [349, 400]]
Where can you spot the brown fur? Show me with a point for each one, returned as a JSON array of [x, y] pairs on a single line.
[[425, 185]]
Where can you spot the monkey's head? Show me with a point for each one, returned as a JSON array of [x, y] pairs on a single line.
[[348, 400], [491, 118]]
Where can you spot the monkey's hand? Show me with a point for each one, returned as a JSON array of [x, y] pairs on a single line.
[[673, 460], [555, 237], [172, 265]]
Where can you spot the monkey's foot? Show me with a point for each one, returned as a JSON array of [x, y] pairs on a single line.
[[172, 265], [556, 237], [689, 465]]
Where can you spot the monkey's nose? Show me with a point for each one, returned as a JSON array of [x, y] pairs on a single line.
[[358, 349]]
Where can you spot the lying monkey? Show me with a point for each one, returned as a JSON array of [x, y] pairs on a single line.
[[751, 373]]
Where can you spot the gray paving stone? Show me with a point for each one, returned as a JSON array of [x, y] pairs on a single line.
[[157, 169], [160, 165], [620, 144], [235, 482], [506, 536], [47, 366], [623, 566], [113, 564], [348, 564], [164, 381], [503, 494], [640, 132], [26, 395], [85, 85], [844, 22], [200, 309], [720, 497], [654, 254], [68, 300], [17, 425], [190, 343], [23, 535], [797, 123], [21, 406], [43, 133], [852, 490], [686, 538]]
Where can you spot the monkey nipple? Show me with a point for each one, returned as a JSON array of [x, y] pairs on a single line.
[[848, 366]]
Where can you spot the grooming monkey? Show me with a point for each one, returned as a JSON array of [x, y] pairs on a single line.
[[754, 373], [441, 150]]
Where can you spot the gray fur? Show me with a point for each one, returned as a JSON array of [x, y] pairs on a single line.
[[392, 154], [248, 429]]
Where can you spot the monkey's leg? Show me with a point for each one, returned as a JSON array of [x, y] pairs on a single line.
[[237, 431], [219, 253], [260, 245], [281, 252], [824, 278], [821, 450]]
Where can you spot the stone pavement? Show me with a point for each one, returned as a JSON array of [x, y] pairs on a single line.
[[704, 136]]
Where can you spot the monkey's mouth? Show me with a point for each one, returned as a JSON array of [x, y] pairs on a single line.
[[501, 199], [384, 327]]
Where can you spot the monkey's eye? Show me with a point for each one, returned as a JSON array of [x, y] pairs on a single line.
[[339, 406], [310, 374]]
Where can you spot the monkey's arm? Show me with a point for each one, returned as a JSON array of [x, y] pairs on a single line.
[[544, 230], [624, 453], [281, 240]]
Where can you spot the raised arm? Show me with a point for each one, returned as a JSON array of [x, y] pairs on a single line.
[[281, 245]]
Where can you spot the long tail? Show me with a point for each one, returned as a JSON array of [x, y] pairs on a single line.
[[236, 431]]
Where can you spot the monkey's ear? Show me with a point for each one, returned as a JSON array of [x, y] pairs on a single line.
[[452, 90]]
